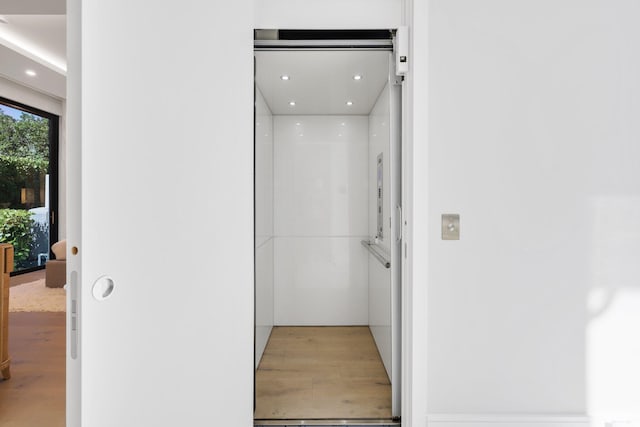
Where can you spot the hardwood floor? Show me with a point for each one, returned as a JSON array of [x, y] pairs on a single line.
[[322, 373], [305, 373], [26, 278], [35, 394]]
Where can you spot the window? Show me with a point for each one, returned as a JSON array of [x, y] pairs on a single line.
[[28, 183]]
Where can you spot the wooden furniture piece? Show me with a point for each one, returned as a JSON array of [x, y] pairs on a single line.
[[6, 267]]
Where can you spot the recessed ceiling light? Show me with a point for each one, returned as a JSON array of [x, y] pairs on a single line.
[[357, 77], [349, 103], [284, 77], [30, 73], [292, 103]]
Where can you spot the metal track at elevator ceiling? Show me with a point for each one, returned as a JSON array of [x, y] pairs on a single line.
[[323, 40]]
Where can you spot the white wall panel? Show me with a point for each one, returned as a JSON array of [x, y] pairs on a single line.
[[320, 205], [506, 311], [380, 310], [264, 296], [380, 277], [263, 223], [320, 281], [533, 140], [379, 143], [263, 170], [320, 175]]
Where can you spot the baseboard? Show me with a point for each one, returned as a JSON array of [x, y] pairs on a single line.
[[511, 420]]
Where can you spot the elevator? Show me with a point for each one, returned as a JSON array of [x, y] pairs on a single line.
[[328, 228]]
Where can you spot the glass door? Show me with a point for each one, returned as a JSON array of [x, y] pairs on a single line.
[[28, 183]]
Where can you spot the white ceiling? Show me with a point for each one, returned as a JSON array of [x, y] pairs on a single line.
[[42, 35], [33, 7], [34, 42], [34, 38], [13, 66], [321, 82]]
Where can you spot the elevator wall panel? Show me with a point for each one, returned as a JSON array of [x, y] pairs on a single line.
[[264, 223], [320, 215], [380, 277]]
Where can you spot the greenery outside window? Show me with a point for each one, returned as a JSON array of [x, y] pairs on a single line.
[[28, 183]]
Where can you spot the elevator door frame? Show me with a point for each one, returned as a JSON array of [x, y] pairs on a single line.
[[398, 221]]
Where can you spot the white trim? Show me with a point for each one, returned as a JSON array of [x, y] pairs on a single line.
[[414, 200], [74, 200], [510, 420]]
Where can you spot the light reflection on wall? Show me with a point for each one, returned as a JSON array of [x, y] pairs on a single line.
[[613, 303]]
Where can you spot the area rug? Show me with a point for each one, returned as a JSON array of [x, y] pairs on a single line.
[[35, 296]]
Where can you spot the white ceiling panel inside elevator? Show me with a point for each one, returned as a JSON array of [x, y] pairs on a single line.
[[321, 82]]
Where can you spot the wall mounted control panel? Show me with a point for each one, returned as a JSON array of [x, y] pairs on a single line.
[[450, 227]]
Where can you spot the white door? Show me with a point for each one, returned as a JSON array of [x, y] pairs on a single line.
[[395, 123], [161, 213], [385, 281]]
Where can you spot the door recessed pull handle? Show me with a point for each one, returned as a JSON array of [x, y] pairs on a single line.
[[102, 288], [75, 319], [399, 222]]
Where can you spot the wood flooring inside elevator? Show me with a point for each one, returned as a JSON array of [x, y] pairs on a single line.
[[322, 373]]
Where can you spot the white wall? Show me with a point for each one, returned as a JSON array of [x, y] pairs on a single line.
[[264, 223], [30, 97], [532, 138], [327, 14], [379, 276], [320, 216], [609, 107]]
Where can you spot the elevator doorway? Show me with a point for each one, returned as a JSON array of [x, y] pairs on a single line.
[[328, 228]]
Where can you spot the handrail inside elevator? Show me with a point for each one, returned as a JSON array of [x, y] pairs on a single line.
[[377, 253]]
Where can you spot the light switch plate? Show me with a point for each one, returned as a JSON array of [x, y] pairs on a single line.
[[450, 226]]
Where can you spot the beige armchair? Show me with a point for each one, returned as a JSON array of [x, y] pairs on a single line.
[[56, 269]]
